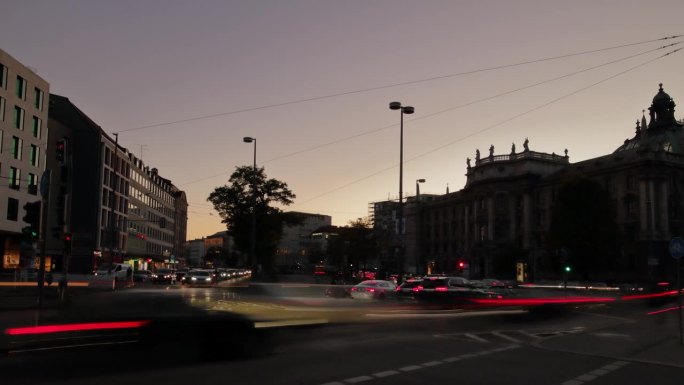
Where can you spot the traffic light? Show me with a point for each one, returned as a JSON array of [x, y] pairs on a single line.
[[568, 269], [460, 265], [61, 151], [67, 243], [32, 218]]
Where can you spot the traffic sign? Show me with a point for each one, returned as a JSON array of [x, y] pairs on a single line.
[[677, 247]]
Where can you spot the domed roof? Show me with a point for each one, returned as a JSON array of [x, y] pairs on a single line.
[[661, 96]]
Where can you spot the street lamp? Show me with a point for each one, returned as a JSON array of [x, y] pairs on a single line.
[[408, 110], [421, 180], [247, 139]]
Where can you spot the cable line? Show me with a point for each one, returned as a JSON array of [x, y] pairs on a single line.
[[363, 90]]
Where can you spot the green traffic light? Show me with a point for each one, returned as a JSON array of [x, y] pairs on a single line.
[[567, 269]]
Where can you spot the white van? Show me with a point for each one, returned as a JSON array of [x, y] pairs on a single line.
[[118, 271]]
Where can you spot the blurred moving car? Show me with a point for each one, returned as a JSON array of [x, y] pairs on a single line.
[[180, 273], [373, 289], [406, 289], [198, 278], [164, 276], [142, 276]]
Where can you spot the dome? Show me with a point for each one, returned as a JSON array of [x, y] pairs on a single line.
[[661, 96]]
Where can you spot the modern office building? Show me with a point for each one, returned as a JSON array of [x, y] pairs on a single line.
[[103, 198], [296, 241], [24, 98]]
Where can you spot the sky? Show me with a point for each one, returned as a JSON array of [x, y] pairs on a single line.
[[183, 82]]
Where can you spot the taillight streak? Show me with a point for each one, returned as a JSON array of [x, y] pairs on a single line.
[[47, 329]]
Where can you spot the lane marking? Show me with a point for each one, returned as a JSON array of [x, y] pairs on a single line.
[[356, 380], [386, 373], [596, 373], [476, 338], [411, 368], [501, 335]]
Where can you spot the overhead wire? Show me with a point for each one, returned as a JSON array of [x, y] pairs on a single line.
[[363, 90], [365, 133], [493, 125]]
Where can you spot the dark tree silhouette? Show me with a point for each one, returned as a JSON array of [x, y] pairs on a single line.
[[235, 204]]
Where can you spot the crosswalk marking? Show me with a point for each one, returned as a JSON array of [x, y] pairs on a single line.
[[501, 335]]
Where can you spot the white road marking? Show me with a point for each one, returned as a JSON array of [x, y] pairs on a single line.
[[386, 373], [501, 335], [356, 380], [474, 337], [411, 368], [594, 374]]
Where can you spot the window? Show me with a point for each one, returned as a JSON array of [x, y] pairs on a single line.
[[33, 184], [16, 147], [35, 155], [38, 99], [12, 209], [21, 88], [18, 117], [37, 127], [3, 76], [2, 109], [14, 177]]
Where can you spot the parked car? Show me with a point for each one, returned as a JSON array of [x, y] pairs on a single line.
[[164, 276], [373, 289]]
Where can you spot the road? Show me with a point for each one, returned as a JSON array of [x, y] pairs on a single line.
[[305, 338]]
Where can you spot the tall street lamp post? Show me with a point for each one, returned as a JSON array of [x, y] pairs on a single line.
[[418, 181], [404, 110], [247, 139], [418, 226]]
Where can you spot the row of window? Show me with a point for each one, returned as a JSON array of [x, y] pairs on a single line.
[[18, 119], [21, 88]]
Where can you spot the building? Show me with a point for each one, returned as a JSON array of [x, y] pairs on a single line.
[[24, 98], [498, 224], [296, 241], [110, 205]]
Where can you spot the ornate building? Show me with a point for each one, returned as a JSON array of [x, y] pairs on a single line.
[[502, 217]]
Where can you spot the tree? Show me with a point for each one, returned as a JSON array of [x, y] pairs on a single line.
[[235, 203], [217, 256], [583, 230]]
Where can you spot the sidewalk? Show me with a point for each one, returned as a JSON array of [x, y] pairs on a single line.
[[652, 339]]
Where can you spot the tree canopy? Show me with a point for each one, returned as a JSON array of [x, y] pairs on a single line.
[[235, 203]]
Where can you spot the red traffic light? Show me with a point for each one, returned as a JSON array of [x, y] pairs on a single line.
[[67, 237], [461, 264]]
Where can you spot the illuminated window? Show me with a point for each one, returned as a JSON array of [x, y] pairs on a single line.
[[667, 147], [14, 178]]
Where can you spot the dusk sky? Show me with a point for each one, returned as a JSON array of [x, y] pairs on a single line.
[[271, 70]]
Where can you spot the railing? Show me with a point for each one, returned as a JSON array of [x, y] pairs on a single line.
[[523, 155]]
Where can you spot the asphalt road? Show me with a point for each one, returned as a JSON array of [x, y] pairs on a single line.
[[308, 339]]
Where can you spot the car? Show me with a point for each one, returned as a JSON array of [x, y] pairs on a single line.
[[117, 271], [142, 276], [373, 289], [180, 273], [198, 278], [408, 288], [164, 276]]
